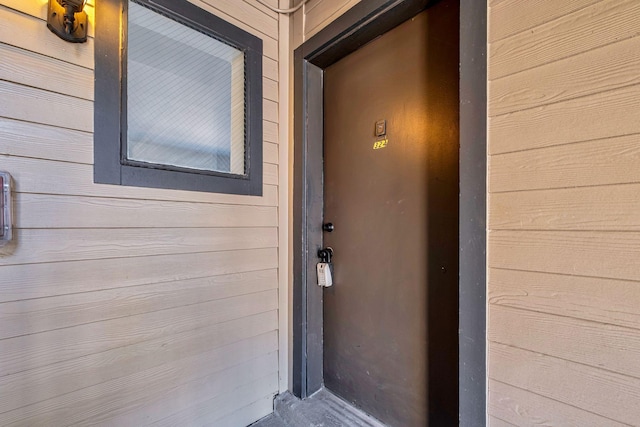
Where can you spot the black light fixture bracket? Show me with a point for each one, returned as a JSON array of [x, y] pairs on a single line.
[[67, 20]]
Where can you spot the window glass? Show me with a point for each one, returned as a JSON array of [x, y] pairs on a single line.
[[185, 96], [178, 99]]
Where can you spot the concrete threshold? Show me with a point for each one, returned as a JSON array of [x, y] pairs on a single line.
[[323, 409]]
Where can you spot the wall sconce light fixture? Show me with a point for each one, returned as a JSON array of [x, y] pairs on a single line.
[[67, 20]]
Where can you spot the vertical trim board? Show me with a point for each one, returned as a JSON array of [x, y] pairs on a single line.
[[473, 213]]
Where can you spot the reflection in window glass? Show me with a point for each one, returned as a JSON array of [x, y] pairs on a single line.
[[185, 96]]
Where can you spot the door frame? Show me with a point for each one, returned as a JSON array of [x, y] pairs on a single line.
[[362, 23]]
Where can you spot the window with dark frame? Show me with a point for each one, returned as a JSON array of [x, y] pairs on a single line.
[[178, 99]]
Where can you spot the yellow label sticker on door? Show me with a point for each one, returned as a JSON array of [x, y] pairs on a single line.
[[380, 144]]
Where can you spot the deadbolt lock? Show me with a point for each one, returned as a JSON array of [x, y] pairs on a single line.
[[328, 227], [325, 254]]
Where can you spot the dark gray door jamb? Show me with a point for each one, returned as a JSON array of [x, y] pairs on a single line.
[[361, 24]]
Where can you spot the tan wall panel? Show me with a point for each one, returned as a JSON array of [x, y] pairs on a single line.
[[515, 16], [44, 314], [568, 338], [597, 162], [126, 394], [96, 212], [49, 279], [44, 72], [312, 4], [36, 350], [270, 110], [316, 15], [270, 89], [204, 384], [602, 23], [77, 180], [253, 21], [325, 12], [243, 14], [270, 153], [592, 117], [35, 105], [608, 67], [608, 301], [27, 139], [32, 34], [596, 254], [56, 245], [563, 219], [497, 422], [263, 8], [586, 208], [33, 69], [523, 408], [270, 68], [215, 411], [40, 141], [270, 48], [270, 174], [270, 131], [608, 394], [38, 9], [185, 306], [247, 414], [48, 381]]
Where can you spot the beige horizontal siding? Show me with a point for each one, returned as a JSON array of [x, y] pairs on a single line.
[[97, 212], [603, 208], [594, 254], [564, 280], [568, 338], [602, 23], [77, 180], [213, 409], [568, 382], [56, 245], [112, 399], [27, 281], [27, 32], [43, 314], [49, 381], [321, 13], [605, 301], [518, 407], [315, 15], [127, 305], [583, 119], [515, 16], [568, 165], [599, 70], [498, 422]]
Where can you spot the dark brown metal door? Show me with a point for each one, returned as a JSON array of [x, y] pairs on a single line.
[[390, 320]]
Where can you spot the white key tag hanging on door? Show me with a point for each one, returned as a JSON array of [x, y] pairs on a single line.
[[324, 268], [324, 274]]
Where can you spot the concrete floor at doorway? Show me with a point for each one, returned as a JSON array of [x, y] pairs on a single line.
[[322, 409]]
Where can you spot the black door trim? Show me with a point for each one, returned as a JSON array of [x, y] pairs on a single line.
[[361, 24], [472, 335]]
